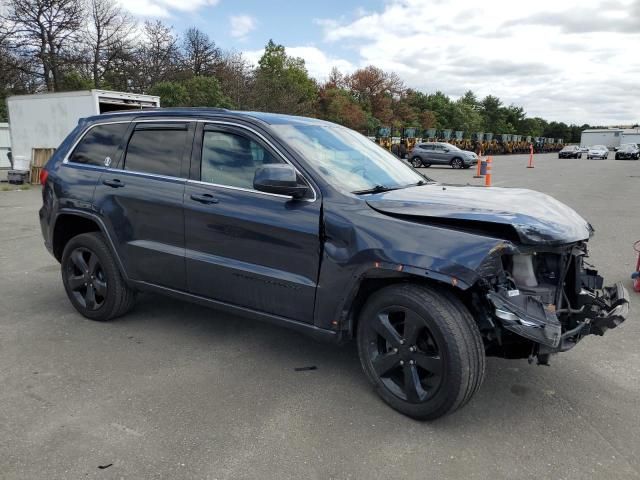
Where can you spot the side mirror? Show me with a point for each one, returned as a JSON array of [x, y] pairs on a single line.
[[278, 178], [446, 150]]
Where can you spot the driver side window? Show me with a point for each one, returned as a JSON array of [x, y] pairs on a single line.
[[231, 159]]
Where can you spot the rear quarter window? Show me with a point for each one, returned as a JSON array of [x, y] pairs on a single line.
[[99, 144]]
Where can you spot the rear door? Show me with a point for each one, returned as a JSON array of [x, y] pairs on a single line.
[[245, 247], [141, 201]]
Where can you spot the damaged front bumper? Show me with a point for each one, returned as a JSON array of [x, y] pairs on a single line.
[[528, 316]]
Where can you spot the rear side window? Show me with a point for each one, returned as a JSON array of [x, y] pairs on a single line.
[[157, 149], [99, 144]]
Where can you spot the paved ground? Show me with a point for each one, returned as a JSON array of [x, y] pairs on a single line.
[[179, 391]]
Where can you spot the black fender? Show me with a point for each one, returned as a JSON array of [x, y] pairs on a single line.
[[354, 251], [102, 228]]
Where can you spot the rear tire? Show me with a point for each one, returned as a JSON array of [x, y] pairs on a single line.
[[421, 350], [92, 279]]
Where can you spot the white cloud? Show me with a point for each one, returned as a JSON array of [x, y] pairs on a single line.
[[241, 25], [163, 8], [569, 61], [318, 63]]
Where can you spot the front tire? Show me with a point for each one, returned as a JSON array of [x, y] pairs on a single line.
[[421, 350], [92, 279], [416, 162], [457, 163]]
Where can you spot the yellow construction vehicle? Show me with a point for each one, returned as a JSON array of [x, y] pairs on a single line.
[[383, 137], [404, 141]]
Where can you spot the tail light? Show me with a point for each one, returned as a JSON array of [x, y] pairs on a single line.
[[44, 174]]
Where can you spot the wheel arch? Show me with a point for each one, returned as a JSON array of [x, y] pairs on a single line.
[[373, 281], [71, 223]]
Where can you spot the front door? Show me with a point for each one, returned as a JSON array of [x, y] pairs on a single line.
[[245, 247], [142, 199]]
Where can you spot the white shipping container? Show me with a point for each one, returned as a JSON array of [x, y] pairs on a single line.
[[44, 120], [610, 137], [5, 147]]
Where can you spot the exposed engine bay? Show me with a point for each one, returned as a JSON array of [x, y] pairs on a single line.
[[541, 301]]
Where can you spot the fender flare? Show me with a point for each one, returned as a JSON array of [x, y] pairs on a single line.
[[101, 226]]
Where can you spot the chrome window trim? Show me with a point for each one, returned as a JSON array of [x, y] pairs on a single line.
[[66, 161], [250, 190]]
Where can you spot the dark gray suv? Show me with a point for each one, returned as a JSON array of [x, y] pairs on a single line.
[[310, 225], [436, 153]]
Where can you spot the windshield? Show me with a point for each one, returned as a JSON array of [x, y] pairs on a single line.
[[567, 149], [450, 146], [598, 147], [347, 159]]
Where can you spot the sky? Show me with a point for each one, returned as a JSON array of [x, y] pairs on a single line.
[[576, 61]]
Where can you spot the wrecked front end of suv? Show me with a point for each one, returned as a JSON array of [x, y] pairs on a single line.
[[535, 293], [538, 301]]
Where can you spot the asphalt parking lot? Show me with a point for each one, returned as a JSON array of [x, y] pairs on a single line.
[[179, 391]]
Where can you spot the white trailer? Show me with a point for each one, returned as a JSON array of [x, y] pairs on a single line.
[[5, 148], [44, 120], [609, 137], [631, 135]]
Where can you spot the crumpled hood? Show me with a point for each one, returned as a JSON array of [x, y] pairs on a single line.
[[537, 218]]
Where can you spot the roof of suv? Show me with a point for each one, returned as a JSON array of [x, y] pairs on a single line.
[[268, 118]]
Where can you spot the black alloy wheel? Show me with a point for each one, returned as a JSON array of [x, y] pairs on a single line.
[[421, 349], [92, 279], [416, 162], [86, 278], [457, 163], [405, 354]]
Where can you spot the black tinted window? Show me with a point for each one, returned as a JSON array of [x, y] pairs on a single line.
[[99, 143], [232, 159], [156, 150]]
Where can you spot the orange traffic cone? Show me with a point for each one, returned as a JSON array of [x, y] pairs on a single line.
[[530, 156], [487, 177], [479, 164]]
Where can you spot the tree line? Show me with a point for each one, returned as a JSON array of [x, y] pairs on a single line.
[[62, 45]]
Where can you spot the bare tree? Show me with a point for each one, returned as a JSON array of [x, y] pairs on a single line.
[[45, 30], [236, 78], [109, 35], [200, 53], [158, 58]]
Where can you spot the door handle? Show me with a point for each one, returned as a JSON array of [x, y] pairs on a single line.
[[114, 183], [205, 198]]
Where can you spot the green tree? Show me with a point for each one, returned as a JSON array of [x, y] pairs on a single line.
[[493, 114], [172, 94], [282, 83], [205, 92]]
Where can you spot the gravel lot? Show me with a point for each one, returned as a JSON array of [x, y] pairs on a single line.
[[178, 391]]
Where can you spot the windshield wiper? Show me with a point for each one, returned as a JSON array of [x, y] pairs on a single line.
[[375, 189]]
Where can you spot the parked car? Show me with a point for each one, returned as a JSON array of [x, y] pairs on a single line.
[[598, 152], [437, 153], [584, 149], [570, 151], [628, 151], [310, 225]]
